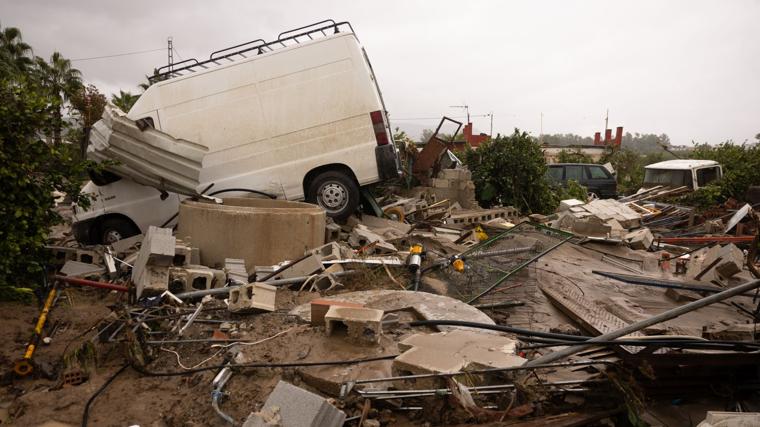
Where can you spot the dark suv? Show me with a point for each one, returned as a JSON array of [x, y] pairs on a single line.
[[596, 178]]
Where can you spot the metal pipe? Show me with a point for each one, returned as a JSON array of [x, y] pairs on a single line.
[[281, 282], [661, 283], [90, 283], [637, 326]]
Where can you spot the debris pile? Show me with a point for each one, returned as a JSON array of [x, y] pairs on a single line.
[[434, 311]]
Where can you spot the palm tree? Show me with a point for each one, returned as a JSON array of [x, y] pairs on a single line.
[[124, 100], [14, 53], [61, 81]]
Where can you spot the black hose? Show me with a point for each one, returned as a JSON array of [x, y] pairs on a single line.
[[105, 385], [263, 365], [500, 328], [243, 190], [695, 344]]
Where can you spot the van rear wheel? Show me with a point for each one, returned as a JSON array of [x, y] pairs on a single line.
[[335, 192]]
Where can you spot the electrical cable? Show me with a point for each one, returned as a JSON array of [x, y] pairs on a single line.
[[263, 365], [563, 339], [694, 344], [86, 414], [117, 54], [247, 190]]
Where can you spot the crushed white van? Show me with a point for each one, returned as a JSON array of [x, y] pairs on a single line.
[[689, 173], [300, 117]]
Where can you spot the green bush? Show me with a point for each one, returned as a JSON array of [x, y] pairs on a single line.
[[30, 170], [741, 169], [511, 170]]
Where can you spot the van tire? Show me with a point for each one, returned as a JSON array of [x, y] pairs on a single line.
[[335, 192], [113, 229]]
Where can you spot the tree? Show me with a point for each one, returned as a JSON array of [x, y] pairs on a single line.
[[89, 105], [15, 55], [124, 100], [61, 81], [30, 170], [511, 170]]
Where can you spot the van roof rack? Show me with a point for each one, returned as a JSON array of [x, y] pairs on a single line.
[[253, 47]]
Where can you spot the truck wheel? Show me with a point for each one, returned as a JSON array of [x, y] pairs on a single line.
[[334, 192], [114, 229]]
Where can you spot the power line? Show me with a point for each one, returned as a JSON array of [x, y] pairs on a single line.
[[437, 118], [118, 54]]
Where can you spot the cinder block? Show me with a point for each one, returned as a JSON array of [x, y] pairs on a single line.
[[332, 232], [320, 306], [236, 271], [361, 325], [732, 261], [328, 252], [127, 245], [150, 270], [295, 407], [252, 297]]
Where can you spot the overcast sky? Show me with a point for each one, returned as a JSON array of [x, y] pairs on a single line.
[[690, 69]]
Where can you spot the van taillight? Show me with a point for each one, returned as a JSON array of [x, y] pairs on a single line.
[[381, 134]]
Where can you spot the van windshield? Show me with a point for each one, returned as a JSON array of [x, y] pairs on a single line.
[[667, 177]]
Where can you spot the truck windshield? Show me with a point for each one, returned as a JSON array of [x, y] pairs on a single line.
[[667, 177]]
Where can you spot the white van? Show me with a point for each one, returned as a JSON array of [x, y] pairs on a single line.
[[693, 174], [301, 117], [122, 208]]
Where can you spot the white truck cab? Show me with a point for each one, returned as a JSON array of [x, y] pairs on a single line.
[[692, 174], [122, 208], [299, 117]]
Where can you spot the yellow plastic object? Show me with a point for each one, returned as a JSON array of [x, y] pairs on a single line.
[[416, 249], [396, 212], [480, 234], [458, 265], [24, 366]]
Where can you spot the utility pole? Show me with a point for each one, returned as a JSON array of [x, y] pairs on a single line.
[[541, 130], [170, 52], [607, 120], [491, 115]]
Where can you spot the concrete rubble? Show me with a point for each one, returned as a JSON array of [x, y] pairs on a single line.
[[323, 322]]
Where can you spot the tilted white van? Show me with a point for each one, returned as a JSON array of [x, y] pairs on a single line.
[[301, 117]]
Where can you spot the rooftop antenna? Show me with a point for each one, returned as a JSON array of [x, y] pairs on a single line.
[[170, 52], [466, 109]]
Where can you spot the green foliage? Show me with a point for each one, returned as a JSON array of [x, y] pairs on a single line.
[[573, 156], [741, 168], [510, 170], [574, 190], [30, 168], [629, 167], [124, 100]]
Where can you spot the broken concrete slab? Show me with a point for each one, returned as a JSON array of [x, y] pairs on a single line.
[[320, 306], [296, 407], [361, 237], [306, 266], [81, 269], [359, 324], [128, 244], [425, 306], [253, 297], [730, 419], [455, 351], [565, 205], [732, 261], [640, 239]]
